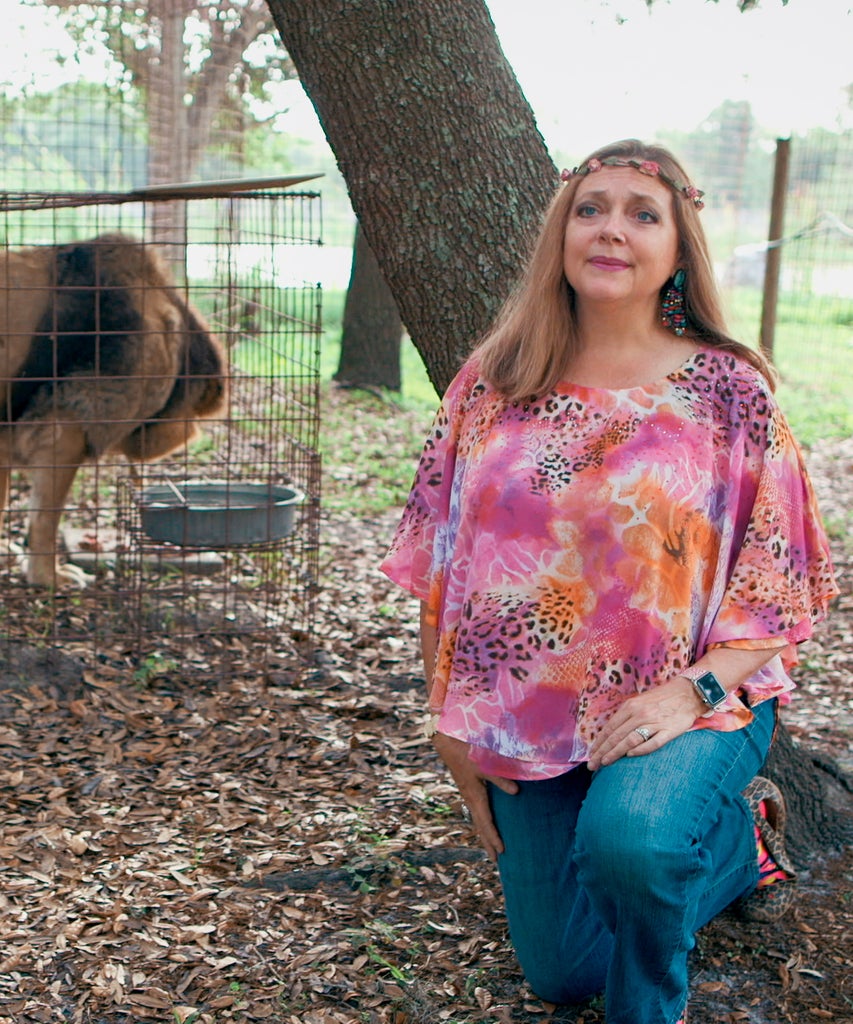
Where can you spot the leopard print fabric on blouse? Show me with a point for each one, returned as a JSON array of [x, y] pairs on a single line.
[[585, 546]]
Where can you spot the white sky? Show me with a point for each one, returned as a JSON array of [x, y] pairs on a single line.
[[598, 70]]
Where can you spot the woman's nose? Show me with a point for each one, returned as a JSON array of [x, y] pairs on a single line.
[[611, 230]]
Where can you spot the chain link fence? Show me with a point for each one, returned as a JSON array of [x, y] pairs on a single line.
[[812, 344]]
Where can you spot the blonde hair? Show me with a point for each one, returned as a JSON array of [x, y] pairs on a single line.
[[525, 351]]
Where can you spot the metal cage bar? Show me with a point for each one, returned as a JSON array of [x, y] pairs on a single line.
[[235, 265]]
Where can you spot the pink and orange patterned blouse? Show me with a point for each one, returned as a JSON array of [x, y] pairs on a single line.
[[586, 546]]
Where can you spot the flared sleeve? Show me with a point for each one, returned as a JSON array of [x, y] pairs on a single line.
[[416, 556], [775, 577]]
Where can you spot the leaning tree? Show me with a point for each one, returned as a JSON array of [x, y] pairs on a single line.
[[448, 175], [446, 170]]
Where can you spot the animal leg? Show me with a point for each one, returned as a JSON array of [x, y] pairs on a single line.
[[157, 438], [52, 474]]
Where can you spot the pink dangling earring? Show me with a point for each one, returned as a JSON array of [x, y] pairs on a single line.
[[672, 312]]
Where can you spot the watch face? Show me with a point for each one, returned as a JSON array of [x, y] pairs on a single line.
[[712, 691]]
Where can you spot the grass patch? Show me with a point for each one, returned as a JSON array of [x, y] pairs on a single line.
[[370, 442], [370, 445], [813, 352], [815, 414], [417, 388]]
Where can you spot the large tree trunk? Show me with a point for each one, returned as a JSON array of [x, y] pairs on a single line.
[[372, 329], [446, 169], [448, 176], [817, 795]]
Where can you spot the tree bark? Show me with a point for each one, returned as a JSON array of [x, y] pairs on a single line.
[[817, 797], [372, 329], [447, 172]]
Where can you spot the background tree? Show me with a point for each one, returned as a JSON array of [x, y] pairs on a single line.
[[198, 65], [448, 176], [200, 68], [735, 154], [372, 329]]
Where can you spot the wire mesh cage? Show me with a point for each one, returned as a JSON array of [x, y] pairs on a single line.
[[160, 438]]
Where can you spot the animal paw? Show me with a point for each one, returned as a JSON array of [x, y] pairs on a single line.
[[12, 555], [52, 575], [73, 576]]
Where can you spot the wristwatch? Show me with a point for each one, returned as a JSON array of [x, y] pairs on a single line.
[[709, 688]]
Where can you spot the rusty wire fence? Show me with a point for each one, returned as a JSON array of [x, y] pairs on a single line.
[[127, 540], [733, 159]]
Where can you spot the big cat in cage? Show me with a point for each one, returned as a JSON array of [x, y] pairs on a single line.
[[99, 353]]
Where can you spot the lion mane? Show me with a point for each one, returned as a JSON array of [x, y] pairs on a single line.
[[98, 353]]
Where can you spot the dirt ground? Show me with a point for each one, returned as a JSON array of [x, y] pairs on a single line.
[[282, 845]]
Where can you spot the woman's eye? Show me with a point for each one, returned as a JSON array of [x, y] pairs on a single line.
[[647, 217], [587, 210]]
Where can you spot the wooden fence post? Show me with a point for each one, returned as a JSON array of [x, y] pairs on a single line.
[[773, 262]]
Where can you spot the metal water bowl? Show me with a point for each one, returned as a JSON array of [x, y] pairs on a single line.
[[218, 515]]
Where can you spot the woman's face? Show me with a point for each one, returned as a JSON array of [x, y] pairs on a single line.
[[621, 240]]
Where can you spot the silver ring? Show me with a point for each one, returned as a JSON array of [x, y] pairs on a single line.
[[644, 732]]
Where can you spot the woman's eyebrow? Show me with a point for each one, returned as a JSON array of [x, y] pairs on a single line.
[[604, 194]]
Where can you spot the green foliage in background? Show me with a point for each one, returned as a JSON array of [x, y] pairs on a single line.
[[43, 139], [813, 353]]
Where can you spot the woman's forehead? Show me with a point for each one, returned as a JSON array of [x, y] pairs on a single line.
[[623, 181]]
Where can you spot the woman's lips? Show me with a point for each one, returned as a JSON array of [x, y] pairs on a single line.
[[608, 263]]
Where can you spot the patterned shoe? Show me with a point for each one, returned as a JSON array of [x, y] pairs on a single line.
[[774, 895]]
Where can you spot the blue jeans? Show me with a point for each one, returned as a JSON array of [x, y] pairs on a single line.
[[607, 876]]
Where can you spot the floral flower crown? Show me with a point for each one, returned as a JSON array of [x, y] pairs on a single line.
[[644, 167]]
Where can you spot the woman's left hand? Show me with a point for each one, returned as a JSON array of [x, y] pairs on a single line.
[[661, 714]]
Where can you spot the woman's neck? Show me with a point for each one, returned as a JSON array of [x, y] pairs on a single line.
[[620, 349], [613, 326]]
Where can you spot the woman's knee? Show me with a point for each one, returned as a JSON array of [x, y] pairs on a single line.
[[630, 853]]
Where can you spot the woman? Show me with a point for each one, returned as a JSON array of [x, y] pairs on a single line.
[[617, 549]]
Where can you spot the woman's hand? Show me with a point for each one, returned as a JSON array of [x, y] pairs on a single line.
[[472, 788], [663, 713]]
